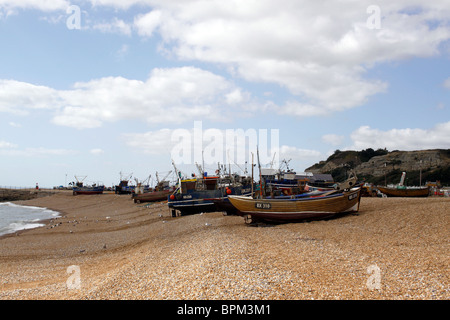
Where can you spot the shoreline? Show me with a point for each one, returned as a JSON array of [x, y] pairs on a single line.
[[41, 222], [129, 251]]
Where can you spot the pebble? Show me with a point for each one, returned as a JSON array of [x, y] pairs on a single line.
[[405, 238]]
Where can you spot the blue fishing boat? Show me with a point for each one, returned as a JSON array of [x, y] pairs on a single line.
[[207, 194], [88, 189], [80, 188]]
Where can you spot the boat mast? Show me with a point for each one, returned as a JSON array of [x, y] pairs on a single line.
[[178, 174], [252, 173], [260, 174]]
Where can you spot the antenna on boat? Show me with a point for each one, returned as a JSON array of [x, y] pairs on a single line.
[[273, 159], [260, 174], [177, 173], [252, 173]]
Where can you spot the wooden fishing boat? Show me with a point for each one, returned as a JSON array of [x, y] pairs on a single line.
[[402, 191], [152, 196], [405, 191], [298, 208]]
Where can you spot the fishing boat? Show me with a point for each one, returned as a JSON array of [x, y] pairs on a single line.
[[161, 191], [282, 183], [405, 191], [152, 196], [206, 194], [123, 187], [344, 198], [88, 190], [300, 207], [80, 188], [401, 190]]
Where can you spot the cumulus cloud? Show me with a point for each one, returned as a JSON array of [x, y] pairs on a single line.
[[333, 139], [291, 152], [13, 150], [114, 26], [7, 145], [402, 139], [151, 142], [175, 95], [20, 97], [97, 151], [46, 5], [319, 51]]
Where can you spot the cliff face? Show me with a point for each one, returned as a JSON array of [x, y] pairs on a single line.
[[380, 165]]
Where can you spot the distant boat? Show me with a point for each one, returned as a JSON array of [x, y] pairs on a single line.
[[80, 188], [402, 191], [88, 190], [405, 191], [299, 207], [123, 187]]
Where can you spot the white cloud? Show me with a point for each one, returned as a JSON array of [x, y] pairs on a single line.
[[15, 124], [402, 139], [152, 142], [13, 150], [115, 26], [19, 97], [298, 153], [122, 52], [174, 95], [97, 152], [147, 24], [45, 5], [7, 145], [120, 4], [319, 51], [333, 139]]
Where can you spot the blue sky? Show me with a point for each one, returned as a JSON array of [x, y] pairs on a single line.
[[109, 95]]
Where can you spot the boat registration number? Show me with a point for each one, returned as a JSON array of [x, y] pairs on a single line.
[[262, 205], [352, 196]]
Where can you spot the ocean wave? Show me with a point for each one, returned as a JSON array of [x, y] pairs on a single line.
[[14, 217]]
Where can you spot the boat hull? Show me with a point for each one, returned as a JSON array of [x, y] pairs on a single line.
[[195, 202], [152, 196], [87, 190], [408, 192], [205, 200], [297, 209]]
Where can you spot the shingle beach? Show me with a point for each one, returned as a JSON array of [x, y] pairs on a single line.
[[394, 248]]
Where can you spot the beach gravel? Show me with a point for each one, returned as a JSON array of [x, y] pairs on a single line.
[[394, 248]]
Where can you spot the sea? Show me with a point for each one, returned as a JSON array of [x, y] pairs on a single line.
[[15, 217]]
